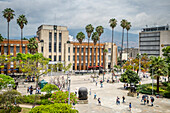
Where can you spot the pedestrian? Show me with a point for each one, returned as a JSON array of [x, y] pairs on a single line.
[[101, 85], [95, 95], [90, 92], [130, 106], [124, 86], [99, 101], [148, 100], [31, 90], [137, 94], [144, 100], [117, 101], [152, 100], [123, 98], [28, 89]]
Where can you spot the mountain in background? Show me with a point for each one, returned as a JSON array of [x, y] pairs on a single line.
[[107, 37]]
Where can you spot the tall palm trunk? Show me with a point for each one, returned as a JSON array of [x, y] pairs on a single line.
[[99, 56], [122, 47], [88, 56], [112, 50], [127, 46], [21, 40], [157, 84], [8, 50]]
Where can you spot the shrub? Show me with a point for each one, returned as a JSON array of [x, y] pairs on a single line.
[[49, 87], [62, 97], [46, 96], [54, 108], [165, 83], [167, 94]]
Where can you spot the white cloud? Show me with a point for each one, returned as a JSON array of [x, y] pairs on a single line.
[[79, 13]]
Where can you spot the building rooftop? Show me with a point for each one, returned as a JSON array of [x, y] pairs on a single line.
[[157, 28]]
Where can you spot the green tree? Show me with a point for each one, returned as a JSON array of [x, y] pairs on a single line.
[[99, 30], [49, 87], [160, 68], [33, 45], [89, 29], [80, 37], [5, 81], [130, 77], [123, 25], [166, 54], [128, 26], [8, 13], [21, 21], [113, 23], [1, 38]]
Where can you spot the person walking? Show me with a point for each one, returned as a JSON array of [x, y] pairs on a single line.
[[99, 101], [130, 106], [144, 100], [123, 98], [95, 95], [96, 82], [90, 92], [148, 100], [31, 90], [137, 94], [101, 85], [152, 100]]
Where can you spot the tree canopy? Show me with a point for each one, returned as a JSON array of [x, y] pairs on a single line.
[[89, 29], [95, 37], [80, 37], [5, 81], [49, 87], [8, 13]]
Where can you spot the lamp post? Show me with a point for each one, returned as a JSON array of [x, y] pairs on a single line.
[[69, 79], [152, 78], [139, 66]]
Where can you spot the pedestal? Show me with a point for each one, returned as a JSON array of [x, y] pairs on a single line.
[[82, 102]]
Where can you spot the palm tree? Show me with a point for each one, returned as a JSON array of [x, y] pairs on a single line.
[[8, 13], [95, 38], [33, 45], [89, 29], [1, 38], [80, 37], [21, 21], [160, 68], [113, 23], [123, 25], [128, 26], [99, 30]]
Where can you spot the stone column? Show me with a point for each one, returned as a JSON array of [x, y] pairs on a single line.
[[15, 56], [8, 65], [100, 55], [26, 49], [92, 60], [84, 58], [75, 57], [96, 56], [79, 57], [88, 58]]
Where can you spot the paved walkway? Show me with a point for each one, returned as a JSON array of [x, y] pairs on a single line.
[[108, 95]]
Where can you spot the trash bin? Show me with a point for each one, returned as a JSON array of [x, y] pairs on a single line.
[[42, 83]]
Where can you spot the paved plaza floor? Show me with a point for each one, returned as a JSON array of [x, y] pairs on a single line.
[[108, 95]]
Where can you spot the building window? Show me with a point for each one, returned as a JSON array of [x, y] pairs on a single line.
[[86, 50], [68, 58], [90, 50], [81, 58], [90, 58], [17, 49], [23, 49], [55, 58], [73, 49], [50, 57], [98, 50], [60, 36], [86, 58], [55, 37], [68, 49], [12, 49], [42, 48], [50, 36], [77, 50], [59, 47], [94, 58], [77, 57], [94, 50], [74, 58], [49, 46], [109, 57], [98, 57], [59, 57], [102, 57], [82, 49], [109, 50], [55, 47]]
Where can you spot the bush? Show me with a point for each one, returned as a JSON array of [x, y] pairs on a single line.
[[49, 87], [62, 97], [44, 102], [54, 108], [165, 83], [46, 96], [167, 94], [11, 109]]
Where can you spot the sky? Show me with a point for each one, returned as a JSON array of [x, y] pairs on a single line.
[[77, 14]]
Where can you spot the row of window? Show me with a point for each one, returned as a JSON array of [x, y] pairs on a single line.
[[12, 49], [86, 64], [55, 58], [55, 42], [82, 50]]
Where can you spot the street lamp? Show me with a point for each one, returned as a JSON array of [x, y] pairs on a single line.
[[69, 80]]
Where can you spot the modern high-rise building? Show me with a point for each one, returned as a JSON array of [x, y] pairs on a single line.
[[152, 40], [55, 44]]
